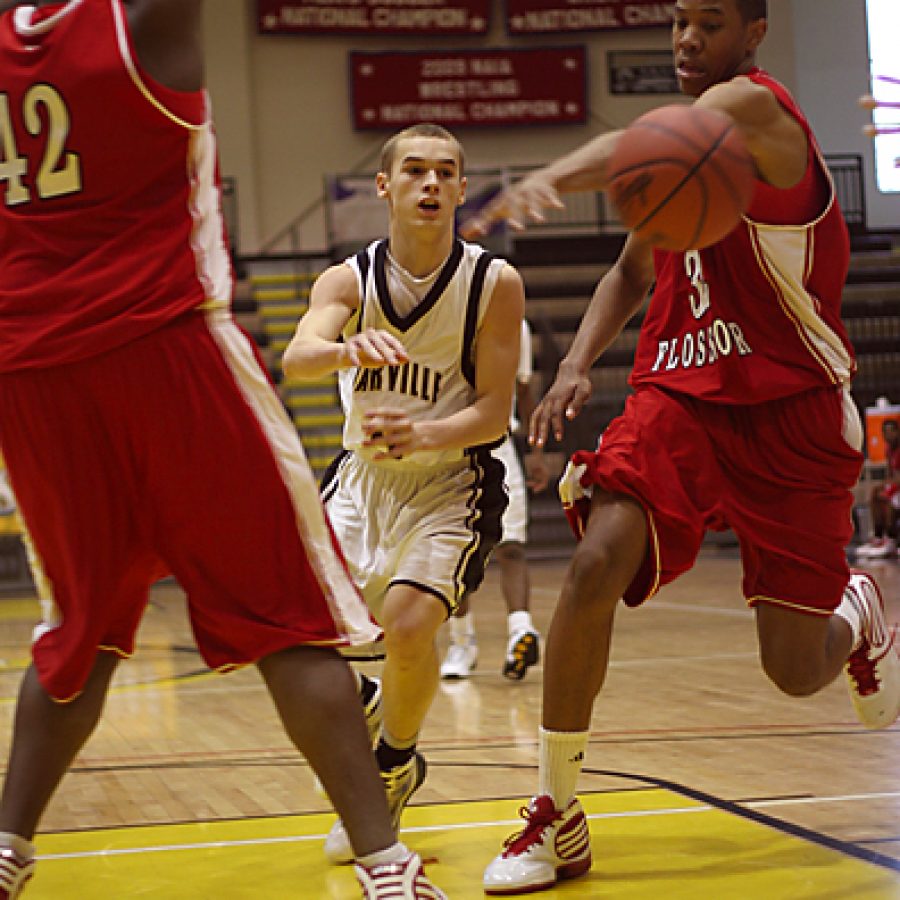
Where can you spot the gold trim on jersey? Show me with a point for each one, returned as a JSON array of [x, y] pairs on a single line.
[[761, 598], [799, 304]]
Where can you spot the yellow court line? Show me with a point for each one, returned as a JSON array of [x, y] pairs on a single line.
[[647, 844]]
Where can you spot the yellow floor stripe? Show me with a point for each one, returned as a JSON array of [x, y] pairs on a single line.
[[648, 844]]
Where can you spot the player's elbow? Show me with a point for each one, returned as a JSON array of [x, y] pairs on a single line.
[[298, 363]]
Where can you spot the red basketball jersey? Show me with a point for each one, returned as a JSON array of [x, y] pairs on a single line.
[[110, 221], [755, 316]]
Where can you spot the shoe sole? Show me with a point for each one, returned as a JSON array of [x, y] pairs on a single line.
[[516, 670], [564, 873], [453, 676]]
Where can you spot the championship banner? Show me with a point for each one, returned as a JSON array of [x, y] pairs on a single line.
[[424, 17], [546, 16], [533, 86]]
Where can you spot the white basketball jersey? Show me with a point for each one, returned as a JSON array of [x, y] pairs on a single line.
[[439, 333]]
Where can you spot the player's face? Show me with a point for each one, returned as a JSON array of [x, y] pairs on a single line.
[[712, 43], [425, 183]]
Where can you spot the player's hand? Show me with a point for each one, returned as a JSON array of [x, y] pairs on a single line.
[[522, 202], [391, 432], [374, 348], [564, 400], [537, 472]]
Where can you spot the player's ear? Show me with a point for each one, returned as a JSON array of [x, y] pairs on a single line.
[[462, 191], [381, 184], [756, 31]]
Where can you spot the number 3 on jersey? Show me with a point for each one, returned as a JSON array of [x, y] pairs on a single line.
[[58, 172], [693, 268]]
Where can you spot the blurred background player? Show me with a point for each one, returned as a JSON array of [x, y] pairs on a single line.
[[884, 500], [763, 439], [141, 435], [523, 640], [423, 330]]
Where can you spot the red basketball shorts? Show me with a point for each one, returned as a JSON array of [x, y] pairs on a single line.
[[171, 455], [780, 474]]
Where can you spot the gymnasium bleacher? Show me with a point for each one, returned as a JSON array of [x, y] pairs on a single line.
[[560, 265]]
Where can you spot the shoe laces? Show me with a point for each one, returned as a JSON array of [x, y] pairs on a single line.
[[537, 821], [863, 671], [389, 880], [394, 778]]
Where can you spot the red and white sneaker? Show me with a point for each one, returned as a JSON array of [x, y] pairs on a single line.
[[554, 845], [873, 669], [14, 872], [397, 881]]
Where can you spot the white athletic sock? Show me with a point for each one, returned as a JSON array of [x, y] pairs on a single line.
[[395, 853], [22, 848], [849, 610], [561, 756], [462, 628], [519, 621]]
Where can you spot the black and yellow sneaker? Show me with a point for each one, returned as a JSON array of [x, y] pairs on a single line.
[[522, 652]]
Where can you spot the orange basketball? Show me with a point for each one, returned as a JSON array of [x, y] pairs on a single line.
[[681, 177]]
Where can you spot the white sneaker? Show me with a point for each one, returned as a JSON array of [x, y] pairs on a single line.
[[873, 669], [553, 845], [460, 659], [400, 783], [397, 881], [888, 547], [877, 548]]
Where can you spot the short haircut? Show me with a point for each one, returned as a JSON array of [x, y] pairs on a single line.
[[421, 129], [751, 10]]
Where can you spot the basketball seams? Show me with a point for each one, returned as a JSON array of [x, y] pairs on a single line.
[[682, 178], [686, 140], [691, 174]]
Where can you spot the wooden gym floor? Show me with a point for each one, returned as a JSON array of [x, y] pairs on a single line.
[[702, 780]]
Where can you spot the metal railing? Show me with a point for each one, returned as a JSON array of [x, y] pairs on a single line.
[[585, 213]]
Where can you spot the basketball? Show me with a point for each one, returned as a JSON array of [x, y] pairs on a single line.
[[681, 177]]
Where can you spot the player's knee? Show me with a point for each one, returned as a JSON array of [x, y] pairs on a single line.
[[591, 573], [408, 640], [791, 673], [510, 553]]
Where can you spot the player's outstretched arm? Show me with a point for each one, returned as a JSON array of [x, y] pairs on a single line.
[[616, 299], [583, 169], [316, 350], [775, 139]]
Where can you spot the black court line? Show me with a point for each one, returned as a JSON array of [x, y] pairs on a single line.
[[761, 818]]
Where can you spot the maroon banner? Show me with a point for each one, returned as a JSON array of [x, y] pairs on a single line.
[[531, 86], [373, 16], [540, 16]]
